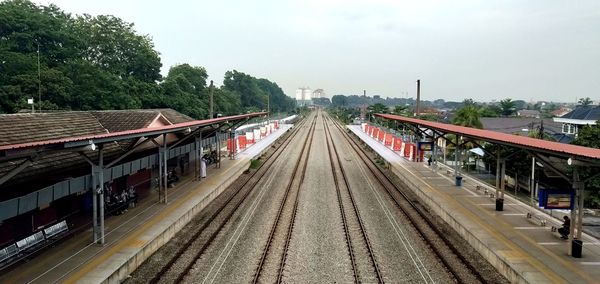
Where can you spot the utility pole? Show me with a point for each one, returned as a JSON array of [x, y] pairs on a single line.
[[417, 110], [39, 78], [210, 88]]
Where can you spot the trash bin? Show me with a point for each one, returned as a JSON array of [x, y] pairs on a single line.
[[458, 180], [576, 248], [499, 204]]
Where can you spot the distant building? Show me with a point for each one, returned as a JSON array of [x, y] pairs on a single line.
[[560, 112], [318, 93], [303, 96], [582, 115], [528, 113], [524, 126]]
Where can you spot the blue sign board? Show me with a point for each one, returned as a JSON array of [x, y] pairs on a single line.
[[556, 198]]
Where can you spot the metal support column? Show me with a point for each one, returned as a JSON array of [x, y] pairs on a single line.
[[218, 140], [532, 181], [201, 145], [502, 180], [497, 172], [233, 145], [165, 172], [196, 158], [456, 154], [95, 202], [581, 195], [574, 220], [101, 182], [160, 175]]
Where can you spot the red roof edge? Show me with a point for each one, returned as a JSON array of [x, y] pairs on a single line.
[[195, 123], [494, 136]]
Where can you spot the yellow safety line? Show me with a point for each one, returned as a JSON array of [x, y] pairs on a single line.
[[553, 276], [132, 239]]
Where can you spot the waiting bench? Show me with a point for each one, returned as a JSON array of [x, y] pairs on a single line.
[[30, 241], [56, 229], [536, 219], [8, 252]]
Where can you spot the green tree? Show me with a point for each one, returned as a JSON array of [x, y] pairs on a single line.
[[322, 101], [112, 44], [180, 90], [585, 101], [193, 78], [23, 28], [378, 108], [508, 107], [588, 136], [401, 110], [339, 101], [468, 116], [469, 102], [490, 111]]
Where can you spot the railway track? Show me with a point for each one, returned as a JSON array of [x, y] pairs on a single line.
[[178, 266], [283, 225], [351, 218], [444, 249]]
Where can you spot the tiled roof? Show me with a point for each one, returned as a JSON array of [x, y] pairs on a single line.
[[584, 113], [128, 134], [174, 116], [122, 120], [32, 127]]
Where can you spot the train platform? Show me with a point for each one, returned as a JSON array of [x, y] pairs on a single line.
[[135, 235], [517, 241]]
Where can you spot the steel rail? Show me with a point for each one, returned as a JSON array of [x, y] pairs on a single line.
[[275, 225], [354, 206], [391, 188], [249, 187]]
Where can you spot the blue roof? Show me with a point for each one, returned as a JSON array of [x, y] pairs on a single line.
[[584, 113]]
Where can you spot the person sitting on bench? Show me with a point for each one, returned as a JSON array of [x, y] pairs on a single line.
[[566, 228]]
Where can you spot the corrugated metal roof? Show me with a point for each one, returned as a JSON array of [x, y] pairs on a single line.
[[116, 136], [584, 113], [559, 149]]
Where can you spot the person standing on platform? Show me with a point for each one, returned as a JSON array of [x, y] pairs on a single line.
[[202, 168], [566, 228]]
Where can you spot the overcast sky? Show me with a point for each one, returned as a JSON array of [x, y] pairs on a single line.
[[485, 50]]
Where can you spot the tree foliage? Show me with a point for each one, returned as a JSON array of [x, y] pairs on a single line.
[[585, 101], [588, 136], [508, 107], [468, 116], [339, 101], [101, 62]]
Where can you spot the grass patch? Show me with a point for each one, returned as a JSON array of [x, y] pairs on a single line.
[[255, 164]]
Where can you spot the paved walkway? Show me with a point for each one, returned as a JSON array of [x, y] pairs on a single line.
[[136, 231], [519, 247]]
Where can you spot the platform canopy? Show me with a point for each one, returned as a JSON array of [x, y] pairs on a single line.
[[9, 150], [547, 148]]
